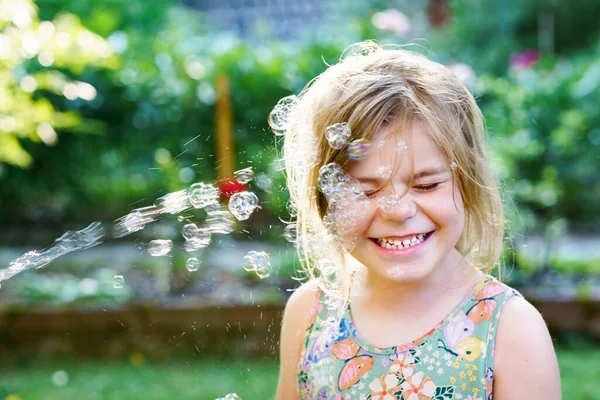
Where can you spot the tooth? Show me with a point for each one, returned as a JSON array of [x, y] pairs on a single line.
[[406, 243]]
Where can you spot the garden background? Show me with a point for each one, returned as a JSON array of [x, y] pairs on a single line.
[[107, 105]]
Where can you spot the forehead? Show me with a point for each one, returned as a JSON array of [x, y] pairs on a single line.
[[404, 148]]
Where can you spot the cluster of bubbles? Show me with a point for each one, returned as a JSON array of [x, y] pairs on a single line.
[[279, 118], [219, 220], [70, 241], [346, 203], [259, 262], [338, 135], [242, 204]]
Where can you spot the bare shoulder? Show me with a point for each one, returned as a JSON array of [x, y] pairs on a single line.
[[297, 319], [525, 365]]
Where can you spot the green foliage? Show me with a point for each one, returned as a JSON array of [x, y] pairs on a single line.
[[543, 122], [37, 59]]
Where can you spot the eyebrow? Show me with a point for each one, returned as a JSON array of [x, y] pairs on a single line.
[[421, 174]]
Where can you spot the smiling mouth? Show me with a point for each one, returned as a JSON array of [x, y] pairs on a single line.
[[401, 244]]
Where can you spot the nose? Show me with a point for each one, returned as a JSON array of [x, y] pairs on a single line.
[[394, 208]]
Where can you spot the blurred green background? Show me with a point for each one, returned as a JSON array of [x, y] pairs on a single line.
[[107, 105]]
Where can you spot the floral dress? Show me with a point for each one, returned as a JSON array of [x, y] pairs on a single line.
[[452, 361]]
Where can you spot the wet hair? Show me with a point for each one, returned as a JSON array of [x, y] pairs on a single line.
[[370, 86]]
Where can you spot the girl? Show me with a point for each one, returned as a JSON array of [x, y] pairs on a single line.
[[399, 223]]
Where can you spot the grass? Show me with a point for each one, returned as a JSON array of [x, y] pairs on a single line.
[[209, 378]]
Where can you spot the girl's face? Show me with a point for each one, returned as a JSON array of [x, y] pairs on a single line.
[[406, 238]]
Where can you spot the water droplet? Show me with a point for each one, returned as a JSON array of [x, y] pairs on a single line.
[[244, 176], [118, 281], [242, 204], [232, 396], [160, 247], [203, 194], [189, 231], [384, 171], [338, 135], [290, 233], [180, 218], [192, 264], [453, 165], [358, 149]]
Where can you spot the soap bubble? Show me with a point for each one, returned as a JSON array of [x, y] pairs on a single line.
[[174, 203], [280, 116], [330, 176], [453, 166], [396, 272], [118, 281], [384, 171], [338, 135], [292, 209], [242, 204], [201, 238], [244, 176], [160, 247], [290, 233], [401, 146], [189, 231], [212, 207], [135, 221], [387, 203], [202, 194], [230, 396], [192, 264], [60, 378], [358, 149], [221, 222], [259, 262]]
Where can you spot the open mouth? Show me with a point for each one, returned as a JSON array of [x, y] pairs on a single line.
[[404, 243]]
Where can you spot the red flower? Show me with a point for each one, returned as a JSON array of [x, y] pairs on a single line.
[[228, 187], [525, 59]]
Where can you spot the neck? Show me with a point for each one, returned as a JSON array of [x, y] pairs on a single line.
[[389, 295]]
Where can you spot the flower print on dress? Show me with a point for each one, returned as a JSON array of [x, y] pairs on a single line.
[[485, 302], [354, 365], [457, 339], [403, 366], [418, 387], [385, 387]]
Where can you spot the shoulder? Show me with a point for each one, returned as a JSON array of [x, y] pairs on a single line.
[[300, 307], [297, 318], [525, 365]]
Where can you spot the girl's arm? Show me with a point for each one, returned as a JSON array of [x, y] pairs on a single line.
[[525, 365], [296, 321]]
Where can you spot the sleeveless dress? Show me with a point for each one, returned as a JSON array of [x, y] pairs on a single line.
[[454, 360]]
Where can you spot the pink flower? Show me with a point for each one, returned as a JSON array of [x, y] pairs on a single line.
[[525, 59], [392, 20]]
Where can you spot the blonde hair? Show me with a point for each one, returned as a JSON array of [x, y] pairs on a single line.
[[369, 86]]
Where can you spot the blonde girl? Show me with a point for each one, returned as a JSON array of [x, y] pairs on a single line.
[[400, 223]]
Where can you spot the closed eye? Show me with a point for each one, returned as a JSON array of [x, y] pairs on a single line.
[[427, 188], [371, 193]]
